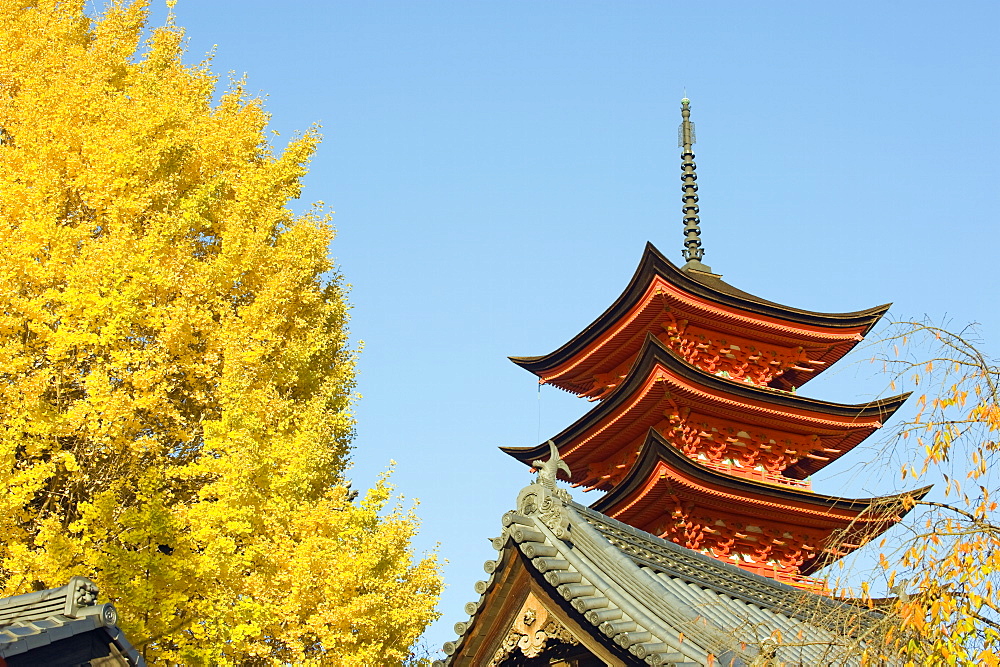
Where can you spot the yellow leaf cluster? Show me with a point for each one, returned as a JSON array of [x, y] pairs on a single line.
[[948, 566], [175, 376]]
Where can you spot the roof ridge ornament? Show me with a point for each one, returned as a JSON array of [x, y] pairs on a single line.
[[548, 470], [693, 252], [544, 499]]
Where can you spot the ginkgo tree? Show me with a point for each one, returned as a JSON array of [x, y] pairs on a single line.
[[176, 380]]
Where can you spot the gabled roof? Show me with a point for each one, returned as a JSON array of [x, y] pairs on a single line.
[[707, 292], [662, 477], [659, 375], [63, 623], [632, 597]]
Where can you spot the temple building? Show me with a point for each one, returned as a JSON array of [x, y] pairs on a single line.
[[700, 550]]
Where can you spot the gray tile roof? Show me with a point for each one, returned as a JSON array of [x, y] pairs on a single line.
[[663, 603], [36, 620]]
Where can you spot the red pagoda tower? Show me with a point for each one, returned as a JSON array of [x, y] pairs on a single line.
[[699, 435], [699, 552]]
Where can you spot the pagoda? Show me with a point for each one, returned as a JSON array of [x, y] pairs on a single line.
[[699, 435], [703, 447]]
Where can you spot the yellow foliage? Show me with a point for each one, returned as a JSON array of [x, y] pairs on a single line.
[[947, 610], [175, 403]]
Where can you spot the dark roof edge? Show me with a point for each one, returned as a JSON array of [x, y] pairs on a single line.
[[655, 448], [653, 263], [124, 645], [733, 296], [654, 351]]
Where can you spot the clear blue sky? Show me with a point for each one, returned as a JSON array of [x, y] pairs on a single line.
[[496, 168]]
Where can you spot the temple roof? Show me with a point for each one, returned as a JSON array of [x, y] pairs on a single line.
[[658, 377], [662, 477], [63, 626], [707, 295], [631, 597]]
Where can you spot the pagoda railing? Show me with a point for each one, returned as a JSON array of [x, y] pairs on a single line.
[[759, 475]]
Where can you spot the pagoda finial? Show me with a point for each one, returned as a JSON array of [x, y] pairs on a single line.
[[693, 252]]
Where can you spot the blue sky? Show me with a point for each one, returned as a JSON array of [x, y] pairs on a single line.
[[496, 168]]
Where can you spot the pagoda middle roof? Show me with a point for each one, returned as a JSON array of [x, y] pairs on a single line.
[[640, 498], [658, 375], [706, 293]]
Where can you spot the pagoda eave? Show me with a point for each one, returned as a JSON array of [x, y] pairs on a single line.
[[658, 284], [654, 352], [659, 380], [665, 489], [656, 450]]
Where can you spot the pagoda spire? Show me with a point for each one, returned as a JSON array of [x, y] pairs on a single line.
[[693, 252]]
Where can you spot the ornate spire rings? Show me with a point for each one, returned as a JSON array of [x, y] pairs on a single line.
[[689, 186]]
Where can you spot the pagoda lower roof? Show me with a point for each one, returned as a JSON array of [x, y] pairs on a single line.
[[702, 298], [660, 381], [662, 478]]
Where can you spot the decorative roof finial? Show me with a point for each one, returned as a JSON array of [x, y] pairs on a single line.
[[547, 470], [544, 498], [693, 252]]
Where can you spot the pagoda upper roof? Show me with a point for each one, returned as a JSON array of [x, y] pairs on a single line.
[[633, 598], [660, 380], [662, 476], [700, 295]]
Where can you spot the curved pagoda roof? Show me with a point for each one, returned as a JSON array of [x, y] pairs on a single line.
[[700, 297], [662, 479], [659, 381]]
